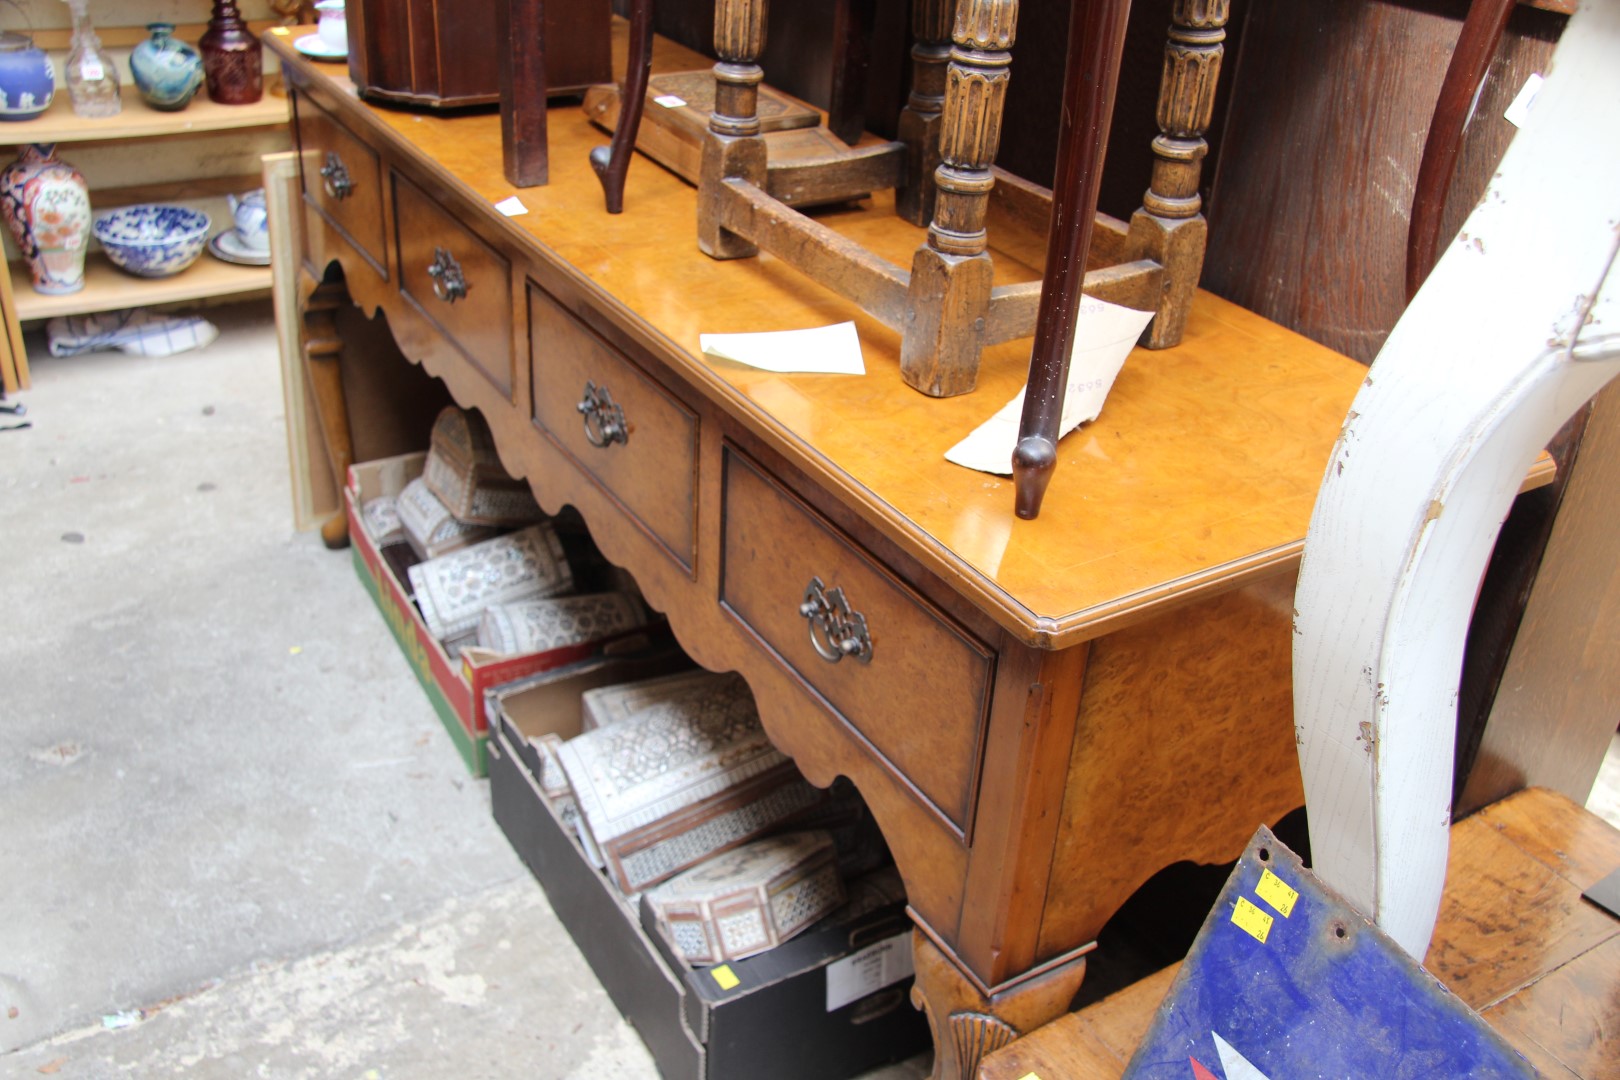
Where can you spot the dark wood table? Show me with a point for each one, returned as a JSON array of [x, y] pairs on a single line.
[[1051, 710]]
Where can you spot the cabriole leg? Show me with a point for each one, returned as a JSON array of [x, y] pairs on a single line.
[[967, 1023]]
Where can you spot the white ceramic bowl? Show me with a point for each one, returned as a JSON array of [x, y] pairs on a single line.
[[152, 239]]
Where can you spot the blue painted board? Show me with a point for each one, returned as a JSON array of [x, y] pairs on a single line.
[[1286, 987]]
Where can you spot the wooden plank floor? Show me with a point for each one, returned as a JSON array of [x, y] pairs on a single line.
[[1514, 940]]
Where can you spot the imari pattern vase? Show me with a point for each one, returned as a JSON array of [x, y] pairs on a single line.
[[46, 205]]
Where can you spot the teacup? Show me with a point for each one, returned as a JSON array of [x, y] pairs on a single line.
[[252, 227], [332, 27]]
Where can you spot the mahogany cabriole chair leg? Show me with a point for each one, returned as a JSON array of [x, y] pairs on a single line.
[[1481, 32], [924, 112], [732, 147], [1169, 228], [520, 31], [611, 163], [948, 298], [1096, 43]]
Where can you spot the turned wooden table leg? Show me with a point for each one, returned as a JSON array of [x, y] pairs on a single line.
[[732, 147], [323, 351], [612, 162], [948, 302], [968, 1023], [920, 120], [1169, 229], [1096, 42]]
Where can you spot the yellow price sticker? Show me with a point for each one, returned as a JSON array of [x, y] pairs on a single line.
[[1277, 892], [726, 977], [1250, 919], [1029, 1076]]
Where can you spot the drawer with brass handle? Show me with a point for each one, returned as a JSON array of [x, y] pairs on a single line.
[[629, 433], [459, 283], [907, 677], [342, 180]]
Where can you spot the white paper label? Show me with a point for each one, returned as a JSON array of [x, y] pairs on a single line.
[[91, 69], [669, 101], [1518, 112], [512, 206], [869, 970]]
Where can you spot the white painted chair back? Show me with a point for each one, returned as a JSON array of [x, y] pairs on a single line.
[[1518, 325]]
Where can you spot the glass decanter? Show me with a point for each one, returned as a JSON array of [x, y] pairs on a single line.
[[92, 75]]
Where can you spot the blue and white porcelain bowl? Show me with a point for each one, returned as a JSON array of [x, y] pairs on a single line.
[[151, 239]]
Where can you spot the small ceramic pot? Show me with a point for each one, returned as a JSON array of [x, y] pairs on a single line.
[[252, 222], [167, 71], [151, 239], [333, 25], [46, 205], [27, 79]]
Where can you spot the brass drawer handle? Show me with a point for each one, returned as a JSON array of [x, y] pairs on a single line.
[[835, 630], [449, 284], [335, 177], [604, 417]]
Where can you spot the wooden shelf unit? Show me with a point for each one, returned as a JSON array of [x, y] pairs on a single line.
[[138, 120], [106, 287]]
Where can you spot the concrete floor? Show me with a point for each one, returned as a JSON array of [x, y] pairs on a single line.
[[234, 840]]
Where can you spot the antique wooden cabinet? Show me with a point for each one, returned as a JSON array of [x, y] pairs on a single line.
[[1041, 714], [433, 55]]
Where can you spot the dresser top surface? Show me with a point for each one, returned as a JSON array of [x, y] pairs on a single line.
[[1200, 472]]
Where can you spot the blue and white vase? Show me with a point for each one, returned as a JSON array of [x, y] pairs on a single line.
[[46, 205], [167, 71], [27, 79]]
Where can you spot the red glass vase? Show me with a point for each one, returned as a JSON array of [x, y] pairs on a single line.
[[233, 58]]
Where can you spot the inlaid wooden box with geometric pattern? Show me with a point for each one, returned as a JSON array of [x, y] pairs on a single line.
[[751, 898]]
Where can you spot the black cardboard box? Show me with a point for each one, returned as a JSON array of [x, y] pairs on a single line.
[[832, 1002]]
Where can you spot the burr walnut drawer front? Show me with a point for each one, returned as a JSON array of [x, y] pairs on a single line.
[[342, 179], [455, 280], [913, 683], [635, 439]]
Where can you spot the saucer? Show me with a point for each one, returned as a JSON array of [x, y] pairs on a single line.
[[227, 248], [311, 45]]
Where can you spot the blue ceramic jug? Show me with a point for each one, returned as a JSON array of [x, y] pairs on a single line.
[[27, 79], [167, 72]]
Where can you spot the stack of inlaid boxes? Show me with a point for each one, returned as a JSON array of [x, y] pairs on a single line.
[[489, 568], [675, 792]]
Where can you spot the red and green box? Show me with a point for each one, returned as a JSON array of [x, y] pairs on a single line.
[[455, 686]]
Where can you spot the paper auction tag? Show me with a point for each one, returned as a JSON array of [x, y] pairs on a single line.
[[1277, 892], [1104, 336], [725, 977], [1251, 920], [871, 969]]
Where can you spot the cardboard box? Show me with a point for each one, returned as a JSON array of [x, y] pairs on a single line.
[[455, 686], [832, 1002]]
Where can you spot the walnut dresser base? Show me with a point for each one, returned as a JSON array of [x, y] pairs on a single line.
[[1039, 713]]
